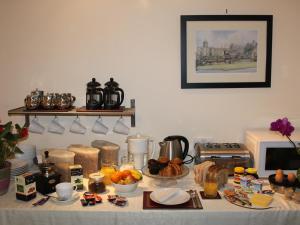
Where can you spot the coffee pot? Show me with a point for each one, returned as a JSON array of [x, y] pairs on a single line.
[[47, 179], [94, 95], [113, 95], [171, 147]]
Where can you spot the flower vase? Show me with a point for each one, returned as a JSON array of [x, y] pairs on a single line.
[[5, 177]]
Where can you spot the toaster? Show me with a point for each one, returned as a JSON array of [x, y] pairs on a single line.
[[227, 155]]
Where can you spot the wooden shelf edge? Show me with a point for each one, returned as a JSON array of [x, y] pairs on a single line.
[[130, 112], [73, 112]]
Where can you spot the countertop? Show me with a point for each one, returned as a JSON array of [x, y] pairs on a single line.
[[214, 212]]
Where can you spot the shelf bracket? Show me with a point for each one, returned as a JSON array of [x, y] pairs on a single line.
[[27, 121], [132, 105]]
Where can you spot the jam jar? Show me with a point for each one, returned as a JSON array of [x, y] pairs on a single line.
[[238, 173], [96, 183], [252, 172]]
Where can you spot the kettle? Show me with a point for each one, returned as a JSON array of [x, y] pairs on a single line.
[[171, 147]]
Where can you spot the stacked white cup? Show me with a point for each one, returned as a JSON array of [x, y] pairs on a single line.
[[29, 153]]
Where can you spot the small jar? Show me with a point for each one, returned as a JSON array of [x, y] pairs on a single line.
[[252, 172], [96, 184], [238, 173]]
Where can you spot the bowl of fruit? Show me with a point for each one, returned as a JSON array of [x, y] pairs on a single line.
[[126, 180]]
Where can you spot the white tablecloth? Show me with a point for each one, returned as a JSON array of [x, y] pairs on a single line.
[[15, 212]]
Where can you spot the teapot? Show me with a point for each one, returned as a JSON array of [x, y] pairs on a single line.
[[171, 147], [113, 95], [34, 100]]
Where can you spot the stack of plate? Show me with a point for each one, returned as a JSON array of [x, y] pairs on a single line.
[[18, 167], [29, 153]]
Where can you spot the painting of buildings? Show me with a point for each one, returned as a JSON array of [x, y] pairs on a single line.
[[226, 51]]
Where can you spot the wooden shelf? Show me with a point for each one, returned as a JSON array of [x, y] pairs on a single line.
[[72, 112]]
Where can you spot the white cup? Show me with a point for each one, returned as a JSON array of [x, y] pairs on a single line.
[[99, 127], [56, 127], [36, 127], [77, 127], [65, 191], [120, 127]]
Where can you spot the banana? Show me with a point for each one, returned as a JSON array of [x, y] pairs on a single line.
[[136, 174]]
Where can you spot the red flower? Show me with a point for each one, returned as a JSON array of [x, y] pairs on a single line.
[[1, 129], [24, 132]]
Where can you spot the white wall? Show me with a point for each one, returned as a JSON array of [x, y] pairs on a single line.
[[59, 45]]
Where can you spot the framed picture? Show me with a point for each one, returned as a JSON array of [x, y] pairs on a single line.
[[226, 51]]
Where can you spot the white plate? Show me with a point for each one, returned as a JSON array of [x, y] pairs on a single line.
[[179, 196], [246, 206], [54, 199]]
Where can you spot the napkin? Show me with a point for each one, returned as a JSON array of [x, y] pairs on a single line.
[[166, 194]]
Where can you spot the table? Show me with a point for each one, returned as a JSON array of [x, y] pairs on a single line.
[[15, 212]]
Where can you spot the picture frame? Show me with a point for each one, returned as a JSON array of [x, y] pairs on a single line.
[[226, 51]]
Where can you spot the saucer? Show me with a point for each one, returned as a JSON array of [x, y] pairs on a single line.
[[54, 198]]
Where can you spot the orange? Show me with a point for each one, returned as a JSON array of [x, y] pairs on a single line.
[[116, 177], [125, 173]]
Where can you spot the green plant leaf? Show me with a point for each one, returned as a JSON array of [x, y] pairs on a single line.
[[7, 129]]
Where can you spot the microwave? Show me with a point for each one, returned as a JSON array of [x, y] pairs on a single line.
[[272, 151]]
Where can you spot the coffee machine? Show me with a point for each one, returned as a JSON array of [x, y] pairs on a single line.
[[140, 149], [47, 179]]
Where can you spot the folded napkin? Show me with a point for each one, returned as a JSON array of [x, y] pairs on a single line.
[[166, 194]]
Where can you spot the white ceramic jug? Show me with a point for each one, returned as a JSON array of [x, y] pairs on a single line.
[[140, 149]]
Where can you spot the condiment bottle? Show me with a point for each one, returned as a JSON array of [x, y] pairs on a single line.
[[238, 173], [96, 184], [211, 183], [252, 172]]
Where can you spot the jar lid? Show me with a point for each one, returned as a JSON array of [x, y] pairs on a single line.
[[96, 176], [239, 169], [251, 170]]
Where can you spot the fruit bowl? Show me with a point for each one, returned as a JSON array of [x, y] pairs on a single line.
[[126, 180], [125, 188]]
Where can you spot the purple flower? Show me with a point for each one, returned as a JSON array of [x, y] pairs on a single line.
[[283, 126]]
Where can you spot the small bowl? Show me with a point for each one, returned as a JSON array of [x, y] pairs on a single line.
[[280, 187], [125, 188]]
